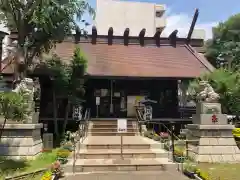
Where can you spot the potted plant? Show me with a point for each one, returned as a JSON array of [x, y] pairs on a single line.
[[179, 156], [189, 170]]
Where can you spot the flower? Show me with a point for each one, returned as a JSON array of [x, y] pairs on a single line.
[[47, 176], [164, 135], [56, 166]]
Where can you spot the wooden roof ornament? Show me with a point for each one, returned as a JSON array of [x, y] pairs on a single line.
[[173, 38], [126, 36], [157, 37], [110, 36], [94, 35], [141, 36], [195, 17]]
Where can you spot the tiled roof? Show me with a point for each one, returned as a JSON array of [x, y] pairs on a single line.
[[136, 61]]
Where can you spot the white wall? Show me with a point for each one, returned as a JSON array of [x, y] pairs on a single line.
[[132, 15]]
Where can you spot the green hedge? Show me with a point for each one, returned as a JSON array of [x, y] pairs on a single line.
[[236, 132]]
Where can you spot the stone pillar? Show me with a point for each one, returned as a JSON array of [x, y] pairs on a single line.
[[21, 140], [212, 135]]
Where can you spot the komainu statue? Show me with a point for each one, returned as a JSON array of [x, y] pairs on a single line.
[[207, 93], [26, 88]]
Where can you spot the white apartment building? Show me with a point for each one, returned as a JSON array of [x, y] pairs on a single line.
[[133, 15]]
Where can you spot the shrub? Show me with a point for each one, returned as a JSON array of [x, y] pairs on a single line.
[[202, 174], [47, 176], [63, 153], [166, 145], [148, 134], [190, 167], [68, 146], [236, 132], [156, 138], [178, 152]]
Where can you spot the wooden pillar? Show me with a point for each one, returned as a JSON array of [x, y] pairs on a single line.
[[126, 36]]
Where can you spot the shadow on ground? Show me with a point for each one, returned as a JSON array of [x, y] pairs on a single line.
[[8, 166]]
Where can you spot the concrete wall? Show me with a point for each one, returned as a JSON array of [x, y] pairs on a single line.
[[133, 15], [21, 140]]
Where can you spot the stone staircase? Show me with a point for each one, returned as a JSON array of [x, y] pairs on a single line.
[[101, 151], [109, 128]]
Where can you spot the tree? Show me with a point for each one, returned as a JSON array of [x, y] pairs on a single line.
[[40, 25], [12, 106], [68, 82], [225, 45], [226, 84]]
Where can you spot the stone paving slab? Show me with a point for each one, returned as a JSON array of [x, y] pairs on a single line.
[[138, 175], [103, 140]]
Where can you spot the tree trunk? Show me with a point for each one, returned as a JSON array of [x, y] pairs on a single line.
[[4, 123], [56, 132], [67, 109]]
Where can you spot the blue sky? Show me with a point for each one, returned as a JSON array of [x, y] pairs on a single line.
[[179, 13]]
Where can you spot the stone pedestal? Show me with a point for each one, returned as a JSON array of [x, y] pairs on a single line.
[[48, 141], [212, 139], [21, 140]]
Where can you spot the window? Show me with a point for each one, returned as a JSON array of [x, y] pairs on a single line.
[[159, 14]]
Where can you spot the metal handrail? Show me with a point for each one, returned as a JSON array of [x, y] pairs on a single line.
[[185, 142], [141, 120], [82, 134]]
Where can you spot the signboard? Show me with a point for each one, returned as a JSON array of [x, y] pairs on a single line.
[[77, 112], [122, 125], [97, 101]]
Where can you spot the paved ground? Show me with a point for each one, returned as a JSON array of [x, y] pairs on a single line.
[[138, 175]]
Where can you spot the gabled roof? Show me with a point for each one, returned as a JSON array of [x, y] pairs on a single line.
[[112, 56], [137, 61]]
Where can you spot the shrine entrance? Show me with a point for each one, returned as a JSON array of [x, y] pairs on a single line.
[[118, 97]]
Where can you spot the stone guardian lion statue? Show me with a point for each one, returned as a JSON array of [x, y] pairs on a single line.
[[207, 93]]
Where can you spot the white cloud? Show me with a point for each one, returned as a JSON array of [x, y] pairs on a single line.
[[182, 23]]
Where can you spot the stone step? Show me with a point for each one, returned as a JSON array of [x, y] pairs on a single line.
[[111, 121], [109, 126], [111, 134], [97, 165], [115, 146], [116, 153], [170, 174], [109, 130]]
